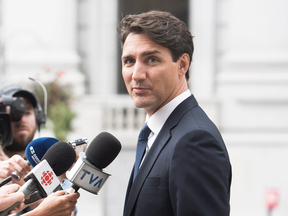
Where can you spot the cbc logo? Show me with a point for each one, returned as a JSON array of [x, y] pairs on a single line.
[[47, 178]]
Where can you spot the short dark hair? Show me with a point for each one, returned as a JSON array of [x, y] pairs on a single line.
[[161, 27]]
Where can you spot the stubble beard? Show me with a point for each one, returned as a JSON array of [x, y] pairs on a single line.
[[20, 143]]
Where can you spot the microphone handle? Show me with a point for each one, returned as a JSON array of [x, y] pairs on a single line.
[[26, 189], [5, 181], [73, 189]]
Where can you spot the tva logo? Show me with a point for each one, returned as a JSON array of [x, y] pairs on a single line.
[[92, 178]]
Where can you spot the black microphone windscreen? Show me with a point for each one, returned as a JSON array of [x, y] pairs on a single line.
[[103, 150], [60, 157]]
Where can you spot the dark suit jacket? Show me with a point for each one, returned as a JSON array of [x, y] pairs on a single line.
[[186, 172]]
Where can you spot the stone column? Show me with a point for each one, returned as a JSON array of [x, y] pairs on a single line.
[[39, 39]]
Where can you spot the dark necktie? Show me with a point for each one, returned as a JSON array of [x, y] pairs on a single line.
[[141, 146]]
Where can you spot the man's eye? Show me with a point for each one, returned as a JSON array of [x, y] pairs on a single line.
[[129, 61], [152, 60], [27, 112]]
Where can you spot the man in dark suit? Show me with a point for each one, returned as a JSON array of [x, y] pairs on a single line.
[[185, 170]]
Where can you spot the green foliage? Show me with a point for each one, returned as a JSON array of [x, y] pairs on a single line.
[[58, 108], [62, 116]]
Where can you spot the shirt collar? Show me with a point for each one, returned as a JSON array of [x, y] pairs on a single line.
[[157, 120]]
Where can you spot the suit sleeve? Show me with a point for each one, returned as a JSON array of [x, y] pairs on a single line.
[[200, 176]]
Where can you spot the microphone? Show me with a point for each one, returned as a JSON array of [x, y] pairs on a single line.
[[88, 172], [43, 177], [60, 157], [34, 152], [36, 149], [59, 149]]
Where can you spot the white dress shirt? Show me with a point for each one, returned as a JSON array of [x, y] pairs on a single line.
[[157, 120]]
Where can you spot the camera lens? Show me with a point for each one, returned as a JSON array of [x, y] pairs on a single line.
[[5, 129]]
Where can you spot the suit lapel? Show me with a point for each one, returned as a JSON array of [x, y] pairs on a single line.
[[135, 187], [159, 143]]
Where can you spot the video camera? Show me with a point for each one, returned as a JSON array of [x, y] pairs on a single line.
[[11, 109]]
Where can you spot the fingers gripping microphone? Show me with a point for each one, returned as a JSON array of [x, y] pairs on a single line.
[[34, 152], [88, 173], [54, 154], [43, 177], [15, 175]]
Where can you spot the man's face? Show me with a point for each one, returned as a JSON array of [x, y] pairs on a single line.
[[23, 130], [150, 75]]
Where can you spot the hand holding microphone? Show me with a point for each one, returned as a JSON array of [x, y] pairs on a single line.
[[43, 177], [100, 153], [9, 196], [15, 166], [56, 204], [15, 163]]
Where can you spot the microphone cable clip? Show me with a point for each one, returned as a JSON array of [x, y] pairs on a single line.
[[78, 142]]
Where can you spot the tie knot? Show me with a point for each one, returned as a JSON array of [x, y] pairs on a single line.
[[144, 133]]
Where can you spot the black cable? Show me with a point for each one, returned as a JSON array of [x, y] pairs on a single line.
[[5, 181]]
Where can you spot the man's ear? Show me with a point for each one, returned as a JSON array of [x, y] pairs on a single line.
[[183, 64]]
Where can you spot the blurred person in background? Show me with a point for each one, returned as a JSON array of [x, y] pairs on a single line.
[[12, 156]]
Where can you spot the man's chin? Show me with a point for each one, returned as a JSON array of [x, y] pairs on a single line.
[[19, 144]]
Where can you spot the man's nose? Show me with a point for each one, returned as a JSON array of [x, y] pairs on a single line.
[[139, 71]]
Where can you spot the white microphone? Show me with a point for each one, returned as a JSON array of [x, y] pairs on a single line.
[[88, 172]]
